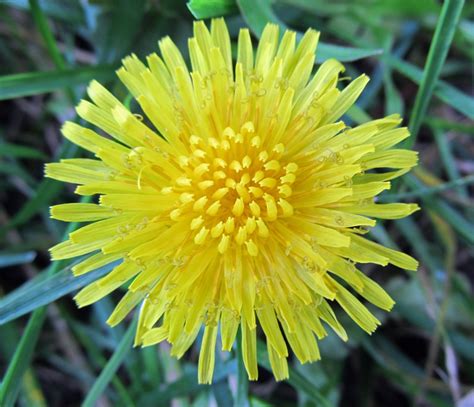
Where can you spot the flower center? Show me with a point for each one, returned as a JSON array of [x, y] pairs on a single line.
[[232, 188]]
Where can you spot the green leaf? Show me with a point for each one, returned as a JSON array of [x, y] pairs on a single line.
[[445, 211], [13, 259], [185, 386], [21, 359], [34, 83], [258, 13], [44, 194], [442, 38], [344, 54], [425, 192], [296, 379], [241, 397], [18, 151], [211, 8], [117, 25], [221, 388], [460, 101], [69, 11], [46, 291], [107, 374]]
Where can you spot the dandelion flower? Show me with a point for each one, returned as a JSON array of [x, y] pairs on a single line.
[[234, 196]]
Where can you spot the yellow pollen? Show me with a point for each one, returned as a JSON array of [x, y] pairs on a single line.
[[201, 169], [242, 191], [219, 162], [251, 225], [175, 214], [220, 193], [229, 133], [238, 207], [246, 162], [200, 238], [205, 184], [213, 209], [271, 206], [241, 235], [186, 197], [196, 222], [262, 228], [263, 156], [223, 244], [219, 175], [247, 128], [258, 176], [217, 230], [235, 186], [183, 182], [229, 225], [256, 141], [285, 207], [254, 208], [251, 247], [272, 165], [200, 204], [236, 166]]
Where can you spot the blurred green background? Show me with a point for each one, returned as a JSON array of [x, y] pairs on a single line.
[[420, 57]]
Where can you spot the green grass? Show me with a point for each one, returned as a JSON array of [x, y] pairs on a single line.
[[419, 55]]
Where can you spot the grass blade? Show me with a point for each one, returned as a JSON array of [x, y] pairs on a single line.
[[241, 397], [445, 211], [296, 379], [211, 8], [13, 259], [21, 359], [107, 374], [460, 101], [19, 151], [46, 291], [424, 192], [185, 386], [258, 14], [43, 27], [34, 83], [439, 48]]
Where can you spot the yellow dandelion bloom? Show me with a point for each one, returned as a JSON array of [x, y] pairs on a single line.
[[240, 201]]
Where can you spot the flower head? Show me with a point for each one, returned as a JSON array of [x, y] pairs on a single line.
[[241, 200]]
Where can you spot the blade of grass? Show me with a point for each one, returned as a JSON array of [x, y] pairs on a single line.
[[18, 151], [43, 27], [445, 211], [442, 38], [258, 13], [21, 359], [460, 101], [425, 192], [13, 259], [449, 125], [447, 158], [32, 394], [107, 374], [185, 386], [211, 8], [221, 389], [34, 83], [241, 397], [44, 193], [46, 291], [88, 338], [296, 379]]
